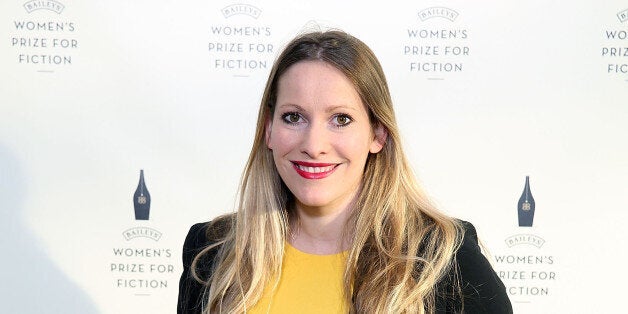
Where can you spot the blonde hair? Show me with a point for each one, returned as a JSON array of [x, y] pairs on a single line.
[[402, 245]]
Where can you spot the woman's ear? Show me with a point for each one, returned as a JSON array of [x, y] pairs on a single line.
[[380, 136], [267, 131]]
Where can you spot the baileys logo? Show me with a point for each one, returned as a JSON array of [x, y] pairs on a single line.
[[51, 5], [441, 12], [141, 232], [529, 239], [244, 9]]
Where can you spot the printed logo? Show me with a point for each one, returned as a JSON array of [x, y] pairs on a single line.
[[138, 267], [241, 47], [623, 16], [141, 204], [143, 232], [529, 239], [441, 12], [527, 267], [244, 9], [437, 47], [525, 207], [525, 213], [141, 199], [43, 42], [51, 5]]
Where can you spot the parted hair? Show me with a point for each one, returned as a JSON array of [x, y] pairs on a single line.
[[402, 246]]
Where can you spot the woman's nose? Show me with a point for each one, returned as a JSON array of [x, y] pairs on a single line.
[[315, 140]]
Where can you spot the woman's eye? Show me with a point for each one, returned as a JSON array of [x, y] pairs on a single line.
[[342, 120], [291, 117]]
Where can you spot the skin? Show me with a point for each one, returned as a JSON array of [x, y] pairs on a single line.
[[320, 120]]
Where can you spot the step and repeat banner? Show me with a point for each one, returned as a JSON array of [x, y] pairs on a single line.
[[122, 123]]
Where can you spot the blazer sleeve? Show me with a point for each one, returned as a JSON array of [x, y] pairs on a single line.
[[190, 290], [480, 289]]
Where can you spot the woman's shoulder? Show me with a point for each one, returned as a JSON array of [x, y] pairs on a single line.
[[204, 234], [200, 237], [469, 238], [473, 277], [469, 254]]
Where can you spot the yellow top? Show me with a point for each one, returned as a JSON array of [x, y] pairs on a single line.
[[309, 283]]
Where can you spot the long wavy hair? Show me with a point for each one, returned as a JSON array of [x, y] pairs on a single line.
[[402, 245]]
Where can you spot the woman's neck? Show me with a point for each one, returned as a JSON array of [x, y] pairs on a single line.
[[319, 233]]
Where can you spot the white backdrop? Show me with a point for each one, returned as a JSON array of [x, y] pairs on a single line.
[[486, 93]]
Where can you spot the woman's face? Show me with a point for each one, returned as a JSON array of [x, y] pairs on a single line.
[[320, 135]]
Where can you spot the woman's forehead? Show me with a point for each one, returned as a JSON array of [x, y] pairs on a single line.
[[317, 83]]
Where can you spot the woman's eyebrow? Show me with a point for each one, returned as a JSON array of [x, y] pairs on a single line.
[[291, 105], [334, 108], [327, 110]]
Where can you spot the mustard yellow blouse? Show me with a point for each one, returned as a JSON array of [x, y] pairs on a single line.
[[309, 283]]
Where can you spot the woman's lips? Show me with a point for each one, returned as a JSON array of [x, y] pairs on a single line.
[[313, 170]]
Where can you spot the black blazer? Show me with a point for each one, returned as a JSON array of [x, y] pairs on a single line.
[[482, 290]]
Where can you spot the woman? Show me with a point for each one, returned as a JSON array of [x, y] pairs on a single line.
[[330, 217]]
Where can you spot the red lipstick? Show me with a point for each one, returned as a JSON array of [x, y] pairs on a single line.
[[313, 170]]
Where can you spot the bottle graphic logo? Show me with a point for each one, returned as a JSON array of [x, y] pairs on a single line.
[[141, 200], [525, 207]]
